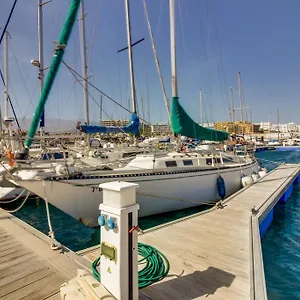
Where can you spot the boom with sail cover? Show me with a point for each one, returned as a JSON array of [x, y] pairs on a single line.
[[133, 127], [183, 124]]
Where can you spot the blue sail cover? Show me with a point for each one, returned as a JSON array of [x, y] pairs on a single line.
[[133, 127]]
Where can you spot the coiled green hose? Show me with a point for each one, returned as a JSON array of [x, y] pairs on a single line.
[[156, 266]]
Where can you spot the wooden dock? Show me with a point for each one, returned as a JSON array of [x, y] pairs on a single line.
[[217, 254], [29, 268]]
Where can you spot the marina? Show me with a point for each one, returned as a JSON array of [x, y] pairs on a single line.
[[223, 262], [202, 263], [131, 201]]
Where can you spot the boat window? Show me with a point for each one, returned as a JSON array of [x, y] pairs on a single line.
[[227, 160], [208, 161], [187, 162], [217, 160], [171, 163]]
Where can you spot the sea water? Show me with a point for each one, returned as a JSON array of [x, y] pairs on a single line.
[[280, 245]]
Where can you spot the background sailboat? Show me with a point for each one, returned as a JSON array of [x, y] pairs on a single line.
[[167, 182]]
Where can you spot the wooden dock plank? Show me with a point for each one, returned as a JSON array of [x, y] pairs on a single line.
[[211, 254], [29, 268]]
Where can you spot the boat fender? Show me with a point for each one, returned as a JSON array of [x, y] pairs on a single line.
[[62, 170], [262, 173], [221, 187], [247, 180], [255, 176]]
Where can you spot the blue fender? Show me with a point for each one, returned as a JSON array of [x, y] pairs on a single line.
[[221, 187]]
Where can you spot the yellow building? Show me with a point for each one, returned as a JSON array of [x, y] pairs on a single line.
[[238, 127]]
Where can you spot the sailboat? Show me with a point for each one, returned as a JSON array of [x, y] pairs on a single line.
[[167, 181]]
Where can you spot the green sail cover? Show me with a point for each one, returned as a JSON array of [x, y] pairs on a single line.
[[184, 125], [56, 60]]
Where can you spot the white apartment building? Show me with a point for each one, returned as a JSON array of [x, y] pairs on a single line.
[[265, 126], [283, 128]]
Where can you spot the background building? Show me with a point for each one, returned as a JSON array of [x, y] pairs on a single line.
[[161, 128], [115, 122], [238, 127]]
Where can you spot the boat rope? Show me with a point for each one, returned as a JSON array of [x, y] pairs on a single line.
[[98, 90], [13, 200], [156, 266], [8, 20], [97, 103], [9, 99], [21, 205], [55, 245]]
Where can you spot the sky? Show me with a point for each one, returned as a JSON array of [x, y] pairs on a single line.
[[215, 40]]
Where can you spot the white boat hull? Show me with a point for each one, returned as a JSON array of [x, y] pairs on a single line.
[[80, 198]]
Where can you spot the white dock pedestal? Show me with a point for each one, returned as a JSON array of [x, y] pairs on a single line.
[[119, 244]]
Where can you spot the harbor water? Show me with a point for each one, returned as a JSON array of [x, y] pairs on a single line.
[[280, 245]]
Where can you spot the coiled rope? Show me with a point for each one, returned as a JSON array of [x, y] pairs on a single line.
[[156, 266]]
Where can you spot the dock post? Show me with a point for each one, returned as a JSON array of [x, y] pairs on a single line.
[[119, 241]]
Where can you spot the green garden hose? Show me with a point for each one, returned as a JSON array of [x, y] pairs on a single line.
[[156, 266]]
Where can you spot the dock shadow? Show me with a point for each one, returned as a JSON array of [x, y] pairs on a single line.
[[194, 285]]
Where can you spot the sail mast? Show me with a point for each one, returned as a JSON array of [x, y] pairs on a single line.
[[232, 104], [41, 57], [240, 95], [84, 62], [173, 48], [6, 73], [133, 96], [201, 108]]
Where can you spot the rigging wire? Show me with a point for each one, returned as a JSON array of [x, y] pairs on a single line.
[[74, 73], [94, 33], [22, 77], [221, 57], [207, 51], [206, 80], [181, 30], [94, 100], [12, 107], [8, 20]]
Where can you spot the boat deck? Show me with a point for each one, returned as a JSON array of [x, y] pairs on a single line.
[[217, 254], [29, 268]]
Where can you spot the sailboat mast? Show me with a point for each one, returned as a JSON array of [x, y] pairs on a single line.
[[6, 73], [173, 48], [133, 97], [41, 57], [84, 62], [101, 112], [232, 104], [201, 108], [278, 124], [240, 95]]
